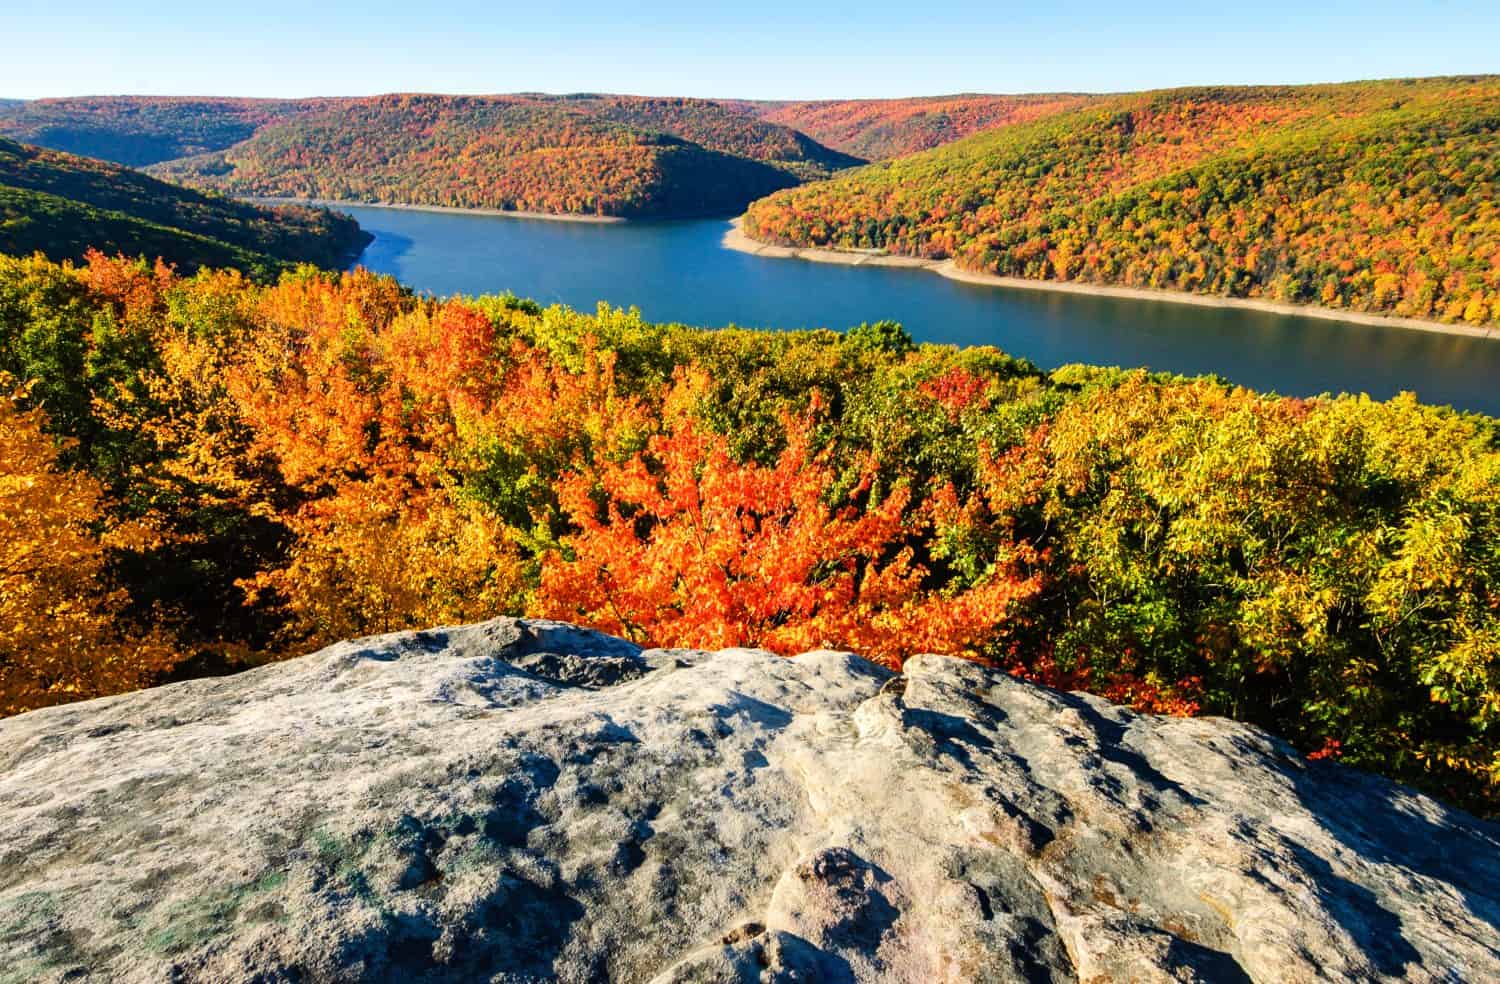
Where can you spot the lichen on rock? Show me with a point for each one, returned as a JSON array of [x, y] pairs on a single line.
[[524, 800]]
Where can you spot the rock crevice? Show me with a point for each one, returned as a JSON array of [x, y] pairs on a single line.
[[522, 800]]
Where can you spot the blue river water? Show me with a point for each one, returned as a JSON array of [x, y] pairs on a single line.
[[679, 271]]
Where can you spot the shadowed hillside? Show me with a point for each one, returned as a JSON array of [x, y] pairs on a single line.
[[64, 205], [721, 128]]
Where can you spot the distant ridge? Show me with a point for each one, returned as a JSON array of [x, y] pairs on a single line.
[[63, 205], [580, 154], [879, 129], [142, 130]]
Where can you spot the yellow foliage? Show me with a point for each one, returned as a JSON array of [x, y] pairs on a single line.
[[365, 564], [60, 632]]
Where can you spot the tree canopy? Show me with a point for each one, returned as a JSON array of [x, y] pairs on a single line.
[[215, 472]]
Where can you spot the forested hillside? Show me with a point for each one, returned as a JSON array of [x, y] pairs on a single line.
[[584, 154], [1381, 196], [141, 130], [200, 473], [879, 129], [64, 205], [720, 128]]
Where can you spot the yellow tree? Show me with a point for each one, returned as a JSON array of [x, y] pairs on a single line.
[[61, 636], [358, 393]]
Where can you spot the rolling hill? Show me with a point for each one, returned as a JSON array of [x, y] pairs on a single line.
[[142, 130], [1378, 196], [720, 128], [585, 153], [581, 155], [880, 129], [63, 205]]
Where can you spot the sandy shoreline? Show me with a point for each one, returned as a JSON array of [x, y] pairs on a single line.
[[447, 209], [735, 238]]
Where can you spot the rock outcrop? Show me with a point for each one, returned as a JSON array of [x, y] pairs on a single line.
[[522, 800]]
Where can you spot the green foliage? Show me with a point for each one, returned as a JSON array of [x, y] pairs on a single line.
[[1325, 568], [1368, 196], [63, 206], [890, 337], [46, 320], [37, 222]]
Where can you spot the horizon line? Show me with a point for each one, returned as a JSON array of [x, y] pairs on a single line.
[[582, 93]]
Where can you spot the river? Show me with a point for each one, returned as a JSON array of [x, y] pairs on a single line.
[[678, 271]]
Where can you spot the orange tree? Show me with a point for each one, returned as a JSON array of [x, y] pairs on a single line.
[[358, 392], [683, 545]]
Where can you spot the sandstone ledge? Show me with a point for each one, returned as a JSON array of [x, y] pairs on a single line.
[[523, 800]]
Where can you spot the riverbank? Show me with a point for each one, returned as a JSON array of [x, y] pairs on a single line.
[[736, 239], [445, 209]]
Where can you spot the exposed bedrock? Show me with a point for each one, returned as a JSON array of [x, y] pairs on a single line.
[[524, 800]]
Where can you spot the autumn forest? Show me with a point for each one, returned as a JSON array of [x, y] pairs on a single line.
[[222, 443], [1368, 197]]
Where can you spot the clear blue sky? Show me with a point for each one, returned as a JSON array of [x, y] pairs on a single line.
[[760, 48]]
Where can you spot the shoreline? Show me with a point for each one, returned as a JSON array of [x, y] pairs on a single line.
[[736, 239], [445, 209]]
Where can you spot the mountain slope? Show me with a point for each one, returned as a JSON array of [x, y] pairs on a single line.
[[584, 154], [879, 129], [1367, 196], [63, 205], [141, 130]]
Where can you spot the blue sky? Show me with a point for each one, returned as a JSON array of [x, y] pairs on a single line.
[[768, 49]]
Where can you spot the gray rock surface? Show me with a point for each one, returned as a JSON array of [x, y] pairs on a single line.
[[519, 801]]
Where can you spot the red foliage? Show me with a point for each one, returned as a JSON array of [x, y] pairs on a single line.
[[682, 545], [1332, 749], [955, 391]]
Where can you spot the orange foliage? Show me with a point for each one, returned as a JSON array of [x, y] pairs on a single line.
[[358, 392], [1367, 196], [692, 548], [605, 155], [334, 456]]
